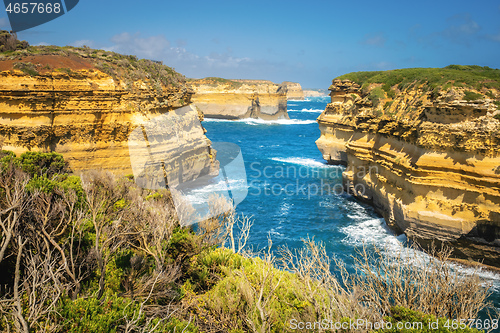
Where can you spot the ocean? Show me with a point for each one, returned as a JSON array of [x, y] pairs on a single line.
[[293, 194]]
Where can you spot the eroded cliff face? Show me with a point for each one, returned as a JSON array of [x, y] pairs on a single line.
[[293, 91], [427, 159], [67, 104], [237, 99]]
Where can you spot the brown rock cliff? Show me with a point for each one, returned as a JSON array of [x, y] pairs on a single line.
[[237, 99], [293, 91], [428, 159], [84, 104]]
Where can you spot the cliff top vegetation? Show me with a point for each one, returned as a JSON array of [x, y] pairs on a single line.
[[233, 83], [473, 76], [215, 81], [40, 60]]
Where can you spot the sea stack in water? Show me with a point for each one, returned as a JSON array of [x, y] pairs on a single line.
[[422, 146], [293, 91], [238, 99]]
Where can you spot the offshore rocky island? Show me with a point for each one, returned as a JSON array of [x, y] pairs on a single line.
[[423, 147], [239, 99]]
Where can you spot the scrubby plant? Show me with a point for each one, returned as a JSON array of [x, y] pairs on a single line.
[[410, 279], [95, 253], [27, 68], [375, 95], [9, 42], [472, 96], [38, 163], [476, 77]]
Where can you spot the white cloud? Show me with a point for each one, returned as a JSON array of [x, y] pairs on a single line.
[[4, 22], [192, 65], [461, 26], [374, 40], [41, 44], [495, 38], [149, 47], [461, 29], [83, 42]]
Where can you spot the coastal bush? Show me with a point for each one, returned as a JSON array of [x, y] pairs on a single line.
[[415, 281], [96, 315], [94, 253], [27, 68], [127, 68], [476, 77], [214, 81], [9, 42], [42, 163], [472, 96], [376, 95]]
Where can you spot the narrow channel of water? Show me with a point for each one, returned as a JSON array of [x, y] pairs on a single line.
[[293, 194]]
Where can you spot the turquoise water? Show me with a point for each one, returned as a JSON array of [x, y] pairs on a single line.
[[293, 193]]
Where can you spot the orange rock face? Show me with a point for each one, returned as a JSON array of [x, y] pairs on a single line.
[[84, 113], [237, 99], [429, 162], [293, 91]]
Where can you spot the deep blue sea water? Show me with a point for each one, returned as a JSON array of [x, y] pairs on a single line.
[[294, 194]]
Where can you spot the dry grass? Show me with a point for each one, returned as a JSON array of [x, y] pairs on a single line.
[[416, 281]]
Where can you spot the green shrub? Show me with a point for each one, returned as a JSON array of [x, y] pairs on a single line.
[[376, 95], [65, 70], [472, 96], [41, 183], [176, 325], [475, 77], [27, 68], [93, 315], [73, 183], [7, 158], [183, 244], [42, 163]]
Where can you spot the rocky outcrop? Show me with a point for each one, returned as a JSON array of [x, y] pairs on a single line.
[[237, 99], [315, 92], [293, 91], [427, 158], [85, 104]]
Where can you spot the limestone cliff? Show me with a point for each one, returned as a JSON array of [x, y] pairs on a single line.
[[237, 99], [424, 150], [84, 104], [315, 92], [293, 91]]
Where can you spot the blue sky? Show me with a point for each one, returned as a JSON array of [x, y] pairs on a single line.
[[307, 42]]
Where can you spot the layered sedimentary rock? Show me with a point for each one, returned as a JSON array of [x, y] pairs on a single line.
[[237, 99], [66, 103], [428, 160], [293, 91]]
